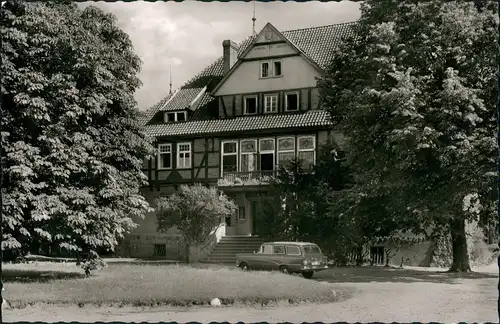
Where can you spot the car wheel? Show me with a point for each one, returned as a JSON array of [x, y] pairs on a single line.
[[308, 274], [244, 266], [285, 270]]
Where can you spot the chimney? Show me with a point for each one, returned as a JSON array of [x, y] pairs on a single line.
[[230, 53]]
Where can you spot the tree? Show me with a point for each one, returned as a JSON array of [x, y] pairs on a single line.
[[413, 92], [72, 148], [194, 210]]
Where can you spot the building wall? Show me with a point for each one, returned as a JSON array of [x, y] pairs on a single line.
[[297, 73]]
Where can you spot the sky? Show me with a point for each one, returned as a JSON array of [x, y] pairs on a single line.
[[188, 35]]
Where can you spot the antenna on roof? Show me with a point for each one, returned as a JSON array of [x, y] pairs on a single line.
[[170, 92], [253, 19]]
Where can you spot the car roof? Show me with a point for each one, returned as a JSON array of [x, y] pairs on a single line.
[[290, 243]]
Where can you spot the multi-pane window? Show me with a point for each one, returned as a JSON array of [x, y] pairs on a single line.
[[270, 103], [229, 156], [266, 151], [164, 156], [307, 151], [286, 150], [250, 105], [292, 101], [277, 68], [264, 69], [248, 155], [183, 155]]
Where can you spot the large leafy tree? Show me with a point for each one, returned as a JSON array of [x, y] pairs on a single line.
[[72, 148], [195, 210], [414, 93]]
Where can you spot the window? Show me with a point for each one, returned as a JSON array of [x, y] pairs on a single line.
[[286, 150], [241, 213], [292, 101], [278, 249], [183, 155], [229, 156], [250, 105], [311, 249], [181, 116], [172, 117], [264, 69], [307, 151], [248, 152], [270, 103], [266, 151], [292, 250], [164, 156], [266, 249], [277, 68]]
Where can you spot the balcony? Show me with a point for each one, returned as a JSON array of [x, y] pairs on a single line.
[[250, 178]]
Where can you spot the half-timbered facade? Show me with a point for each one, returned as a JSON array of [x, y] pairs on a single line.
[[237, 122]]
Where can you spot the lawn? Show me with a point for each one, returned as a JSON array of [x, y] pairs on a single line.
[[151, 285]]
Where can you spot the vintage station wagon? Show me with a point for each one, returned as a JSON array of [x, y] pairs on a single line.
[[287, 257]]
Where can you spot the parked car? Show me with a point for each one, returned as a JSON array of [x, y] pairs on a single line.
[[287, 257]]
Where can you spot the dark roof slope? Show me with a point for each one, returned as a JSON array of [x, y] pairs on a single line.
[[318, 43]]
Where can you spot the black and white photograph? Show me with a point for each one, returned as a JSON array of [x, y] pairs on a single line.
[[250, 161]]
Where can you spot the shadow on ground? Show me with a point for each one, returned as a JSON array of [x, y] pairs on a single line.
[[381, 274], [9, 275]]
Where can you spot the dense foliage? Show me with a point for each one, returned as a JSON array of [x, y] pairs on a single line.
[[72, 149], [414, 94], [195, 210]]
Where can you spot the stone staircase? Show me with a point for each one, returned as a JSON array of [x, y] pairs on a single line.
[[225, 251]]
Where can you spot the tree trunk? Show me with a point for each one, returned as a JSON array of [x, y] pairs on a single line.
[[460, 261]]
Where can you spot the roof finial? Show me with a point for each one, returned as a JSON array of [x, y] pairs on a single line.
[[170, 78], [253, 19]]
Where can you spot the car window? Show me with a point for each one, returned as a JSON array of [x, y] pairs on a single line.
[[278, 249], [311, 249], [292, 250], [267, 249]]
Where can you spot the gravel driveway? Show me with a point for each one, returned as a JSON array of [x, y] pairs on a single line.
[[410, 295]]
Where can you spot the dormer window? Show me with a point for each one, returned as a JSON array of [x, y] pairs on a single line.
[[177, 116]]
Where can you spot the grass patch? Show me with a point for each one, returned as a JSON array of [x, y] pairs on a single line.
[[153, 285]]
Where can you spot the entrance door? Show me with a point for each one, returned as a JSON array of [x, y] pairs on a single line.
[[243, 226]]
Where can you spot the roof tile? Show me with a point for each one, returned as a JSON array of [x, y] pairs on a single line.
[[312, 118], [318, 43]]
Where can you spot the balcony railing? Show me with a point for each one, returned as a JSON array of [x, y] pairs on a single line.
[[250, 178]]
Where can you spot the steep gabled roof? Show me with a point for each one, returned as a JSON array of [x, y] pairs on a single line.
[[318, 43]]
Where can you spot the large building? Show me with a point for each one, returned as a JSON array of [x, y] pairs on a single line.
[[235, 123]]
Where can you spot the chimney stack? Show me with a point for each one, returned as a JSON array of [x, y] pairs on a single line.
[[230, 53]]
